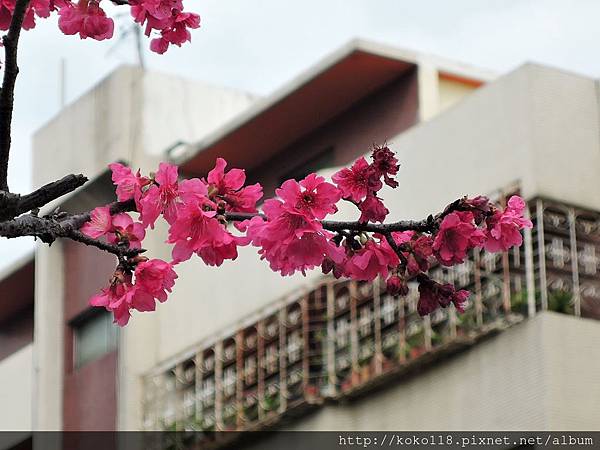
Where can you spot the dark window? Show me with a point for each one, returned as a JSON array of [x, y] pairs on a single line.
[[95, 335]]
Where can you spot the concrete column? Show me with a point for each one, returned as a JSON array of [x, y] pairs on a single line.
[[48, 338], [429, 96]]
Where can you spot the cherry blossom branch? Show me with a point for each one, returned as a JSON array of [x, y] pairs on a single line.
[[390, 240], [75, 221], [13, 205], [426, 225], [50, 228], [11, 70]]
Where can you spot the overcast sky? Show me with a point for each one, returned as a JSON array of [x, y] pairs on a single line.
[[256, 45]]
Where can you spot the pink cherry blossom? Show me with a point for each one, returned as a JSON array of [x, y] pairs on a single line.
[[396, 286], [129, 185], [229, 187], [6, 11], [385, 164], [374, 259], [358, 181], [124, 229], [85, 18], [159, 45], [433, 295], [289, 240], [503, 228], [480, 206], [39, 8], [372, 210], [100, 223], [166, 17], [420, 249], [117, 298], [198, 231], [160, 198], [155, 277], [456, 236], [312, 196]]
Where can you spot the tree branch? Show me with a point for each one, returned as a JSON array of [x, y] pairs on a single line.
[[427, 225], [13, 205], [7, 94], [50, 192], [48, 229], [77, 220]]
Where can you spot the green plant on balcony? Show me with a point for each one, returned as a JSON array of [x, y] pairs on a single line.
[[560, 301], [437, 338], [270, 402]]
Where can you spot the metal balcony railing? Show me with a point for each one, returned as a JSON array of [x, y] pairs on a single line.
[[343, 338]]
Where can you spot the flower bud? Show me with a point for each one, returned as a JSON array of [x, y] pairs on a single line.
[[327, 265], [396, 286]]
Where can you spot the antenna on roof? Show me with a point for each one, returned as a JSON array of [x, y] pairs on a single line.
[[62, 74], [126, 31]]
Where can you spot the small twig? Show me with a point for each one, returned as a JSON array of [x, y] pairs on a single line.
[[7, 94], [78, 236], [390, 240]]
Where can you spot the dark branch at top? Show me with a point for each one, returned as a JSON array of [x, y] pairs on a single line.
[[7, 94]]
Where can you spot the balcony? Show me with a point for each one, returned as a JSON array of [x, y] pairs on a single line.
[[341, 339]]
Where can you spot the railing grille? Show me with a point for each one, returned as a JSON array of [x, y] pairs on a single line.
[[344, 337]]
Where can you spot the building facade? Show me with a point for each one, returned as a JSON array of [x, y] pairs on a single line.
[[239, 347]]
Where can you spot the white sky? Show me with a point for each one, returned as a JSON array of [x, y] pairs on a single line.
[[256, 45]]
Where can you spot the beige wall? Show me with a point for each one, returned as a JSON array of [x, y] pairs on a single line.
[[16, 373], [535, 125], [451, 92]]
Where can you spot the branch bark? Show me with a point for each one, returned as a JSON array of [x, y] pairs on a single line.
[[427, 225], [7, 93], [77, 220], [48, 229]]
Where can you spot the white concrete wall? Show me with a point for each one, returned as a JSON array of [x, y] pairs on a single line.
[[96, 129], [539, 375], [15, 390]]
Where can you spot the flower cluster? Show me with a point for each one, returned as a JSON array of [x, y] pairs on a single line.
[[87, 19], [291, 237], [361, 183], [166, 17], [293, 233], [194, 211], [36, 8], [150, 281]]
